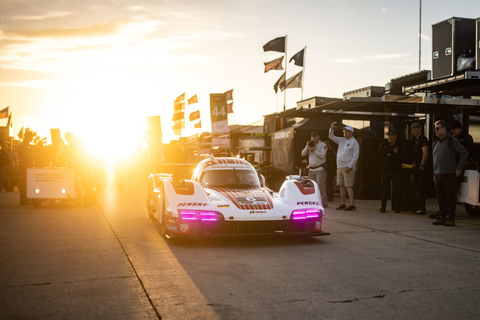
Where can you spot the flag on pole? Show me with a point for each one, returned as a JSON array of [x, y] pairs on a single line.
[[180, 98], [194, 115], [178, 126], [274, 64], [229, 95], [298, 58], [277, 44], [21, 133], [9, 123], [178, 106], [281, 80], [292, 82], [178, 116], [230, 107], [4, 113], [193, 99]]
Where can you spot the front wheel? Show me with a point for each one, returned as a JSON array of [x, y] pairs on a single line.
[[472, 210]]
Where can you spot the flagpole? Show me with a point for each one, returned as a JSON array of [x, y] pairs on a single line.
[[420, 38], [303, 75], [286, 63]]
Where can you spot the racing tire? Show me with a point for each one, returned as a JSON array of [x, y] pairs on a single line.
[[149, 209], [472, 210], [163, 224]]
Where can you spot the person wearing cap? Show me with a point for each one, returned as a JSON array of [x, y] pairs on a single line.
[[420, 169], [347, 156], [392, 154], [465, 139], [316, 151]]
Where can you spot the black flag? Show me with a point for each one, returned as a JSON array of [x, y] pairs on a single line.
[[298, 58], [277, 44]]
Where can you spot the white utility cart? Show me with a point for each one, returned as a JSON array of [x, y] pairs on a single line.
[[468, 192], [51, 184]]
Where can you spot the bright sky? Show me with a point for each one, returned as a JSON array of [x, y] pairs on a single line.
[[98, 68]]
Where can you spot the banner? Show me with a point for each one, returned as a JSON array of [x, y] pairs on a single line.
[[195, 115], [274, 64], [218, 115], [293, 82], [193, 99], [298, 58], [178, 116], [4, 113], [280, 81], [178, 106], [229, 95], [277, 44], [180, 98]]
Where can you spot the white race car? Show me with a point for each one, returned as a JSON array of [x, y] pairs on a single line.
[[226, 197]]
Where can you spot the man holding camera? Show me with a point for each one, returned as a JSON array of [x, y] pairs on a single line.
[[317, 155], [347, 156]]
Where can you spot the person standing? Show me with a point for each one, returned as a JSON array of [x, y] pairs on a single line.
[[420, 171], [465, 139], [4, 164], [447, 168], [78, 159], [26, 160], [347, 156], [391, 167], [317, 155]]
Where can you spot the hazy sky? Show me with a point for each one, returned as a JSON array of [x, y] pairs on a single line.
[[99, 66]]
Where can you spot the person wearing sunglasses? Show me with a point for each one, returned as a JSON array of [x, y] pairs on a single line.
[[449, 158]]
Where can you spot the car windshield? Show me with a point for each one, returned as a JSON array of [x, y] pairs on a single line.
[[230, 178]]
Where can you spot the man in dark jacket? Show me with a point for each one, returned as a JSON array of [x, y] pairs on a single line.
[[449, 158], [392, 155], [420, 167]]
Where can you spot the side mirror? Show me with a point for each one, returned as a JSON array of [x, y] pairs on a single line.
[[263, 182]]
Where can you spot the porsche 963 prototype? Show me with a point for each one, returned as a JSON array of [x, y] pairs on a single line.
[[226, 197]]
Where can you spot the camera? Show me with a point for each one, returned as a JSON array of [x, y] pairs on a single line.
[[311, 144]]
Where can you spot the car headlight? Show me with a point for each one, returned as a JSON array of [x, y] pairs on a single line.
[[304, 214], [201, 215]]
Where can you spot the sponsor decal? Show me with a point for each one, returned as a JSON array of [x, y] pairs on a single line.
[[223, 206], [307, 203], [253, 212], [191, 204], [172, 228], [184, 228], [251, 199]]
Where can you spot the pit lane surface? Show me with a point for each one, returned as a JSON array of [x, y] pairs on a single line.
[[109, 262]]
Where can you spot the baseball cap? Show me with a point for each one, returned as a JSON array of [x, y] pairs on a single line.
[[455, 124], [349, 128], [392, 131], [314, 134]]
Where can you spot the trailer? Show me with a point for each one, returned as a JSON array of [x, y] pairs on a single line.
[[469, 192], [51, 184]]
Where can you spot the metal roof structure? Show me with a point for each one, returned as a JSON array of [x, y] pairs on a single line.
[[383, 108], [466, 84]]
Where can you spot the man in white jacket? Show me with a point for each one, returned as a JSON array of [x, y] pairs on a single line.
[[347, 156], [317, 155]]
